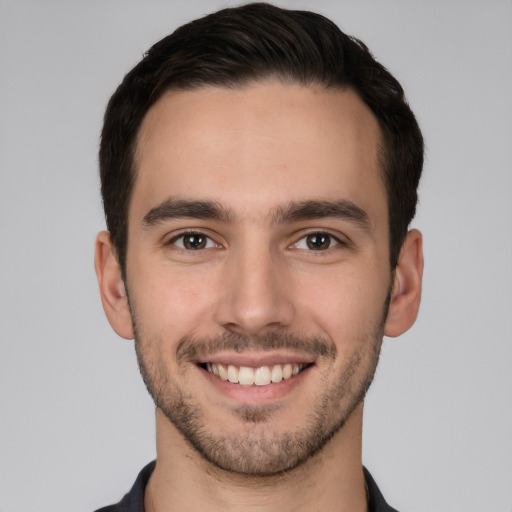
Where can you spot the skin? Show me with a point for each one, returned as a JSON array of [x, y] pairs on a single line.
[[255, 151]]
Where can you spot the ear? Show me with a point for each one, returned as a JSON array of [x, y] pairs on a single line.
[[112, 289], [406, 288]]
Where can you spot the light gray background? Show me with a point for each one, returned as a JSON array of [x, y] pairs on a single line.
[[76, 424]]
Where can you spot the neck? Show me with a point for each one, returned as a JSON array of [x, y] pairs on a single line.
[[330, 480]]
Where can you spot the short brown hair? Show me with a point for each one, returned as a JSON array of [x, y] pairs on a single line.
[[235, 46]]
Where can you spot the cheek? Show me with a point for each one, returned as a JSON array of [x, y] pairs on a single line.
[[170, 303], [345, 304]]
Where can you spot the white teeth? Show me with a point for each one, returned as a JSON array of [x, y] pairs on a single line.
[[247, 376], [277, 373], [223, 373], [262, 376], [232, 374]]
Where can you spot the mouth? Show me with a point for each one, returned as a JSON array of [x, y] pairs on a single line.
[[254, 376]]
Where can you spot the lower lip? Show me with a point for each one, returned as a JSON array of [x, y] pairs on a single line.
[[256, 394]]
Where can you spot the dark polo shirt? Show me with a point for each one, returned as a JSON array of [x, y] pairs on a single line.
[[134, 500]]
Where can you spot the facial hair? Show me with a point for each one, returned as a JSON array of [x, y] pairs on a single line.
[[256, 449]]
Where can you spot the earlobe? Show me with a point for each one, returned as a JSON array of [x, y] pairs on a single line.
[[112, 288], [406, 288]]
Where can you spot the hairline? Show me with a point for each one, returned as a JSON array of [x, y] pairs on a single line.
[[382, 149]]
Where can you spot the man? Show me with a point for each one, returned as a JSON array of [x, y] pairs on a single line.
[[259, 173]]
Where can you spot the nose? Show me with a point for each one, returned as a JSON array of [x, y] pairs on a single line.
[[256, 293]]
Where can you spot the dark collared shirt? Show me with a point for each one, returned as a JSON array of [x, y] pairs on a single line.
[[134, 500]]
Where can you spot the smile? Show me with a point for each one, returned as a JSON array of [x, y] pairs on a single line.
[[260, 376]]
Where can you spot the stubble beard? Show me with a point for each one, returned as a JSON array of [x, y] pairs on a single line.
[[256, 450]]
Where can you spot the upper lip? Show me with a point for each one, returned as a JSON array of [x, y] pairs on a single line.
[[256, 359]]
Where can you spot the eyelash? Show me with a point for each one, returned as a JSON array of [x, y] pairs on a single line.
[[329, 239], [210, 244], [332, 241]]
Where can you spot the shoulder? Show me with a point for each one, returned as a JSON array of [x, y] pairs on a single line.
[[376, 500], [133, 501]]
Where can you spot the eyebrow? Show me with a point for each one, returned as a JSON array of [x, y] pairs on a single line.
[[318, 209], [292, 212], [182, 208]]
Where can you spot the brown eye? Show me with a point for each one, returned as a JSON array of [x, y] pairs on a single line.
[[318, 241], [193, 242]]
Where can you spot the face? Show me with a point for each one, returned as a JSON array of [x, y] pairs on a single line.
[[258, 268]]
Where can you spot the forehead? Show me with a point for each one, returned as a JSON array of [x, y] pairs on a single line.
[[257, 147]]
